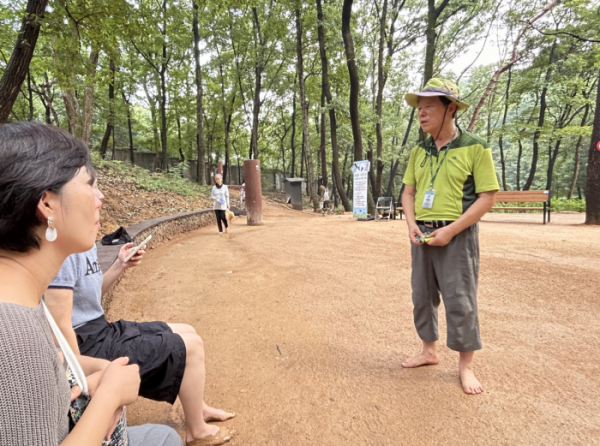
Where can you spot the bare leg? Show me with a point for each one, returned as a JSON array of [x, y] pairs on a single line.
[[209, 413], [191, 393], [427, 357], [470, 384], [182, 328]]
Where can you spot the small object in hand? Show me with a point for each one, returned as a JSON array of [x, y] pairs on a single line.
[[137, 248], [424, 239]]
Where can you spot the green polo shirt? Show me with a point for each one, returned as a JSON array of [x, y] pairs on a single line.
[[467, 170]]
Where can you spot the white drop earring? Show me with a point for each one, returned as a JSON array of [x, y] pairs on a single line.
[[51, 230]]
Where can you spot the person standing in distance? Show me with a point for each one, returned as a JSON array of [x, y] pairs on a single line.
[[220, 196], [450, 184]]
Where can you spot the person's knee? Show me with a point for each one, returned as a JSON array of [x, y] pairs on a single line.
[[186, 328], [194, 347]]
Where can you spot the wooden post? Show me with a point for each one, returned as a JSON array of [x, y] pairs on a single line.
[[254, 215], [220, 168]]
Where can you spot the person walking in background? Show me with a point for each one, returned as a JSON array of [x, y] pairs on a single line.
[[446, 208], [325, 204], [220, 196], [243, 194]]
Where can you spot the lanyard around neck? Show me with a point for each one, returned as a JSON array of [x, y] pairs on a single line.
[[433, 177]]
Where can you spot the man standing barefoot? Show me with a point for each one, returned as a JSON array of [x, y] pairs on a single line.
[[450, 184]]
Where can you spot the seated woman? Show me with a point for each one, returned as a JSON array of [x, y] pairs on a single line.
[[49, 209], [170, 356]]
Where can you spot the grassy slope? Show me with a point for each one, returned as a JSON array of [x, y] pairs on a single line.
[[133, 194]]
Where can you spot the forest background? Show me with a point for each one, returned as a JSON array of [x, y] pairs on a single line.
[[308, 87]]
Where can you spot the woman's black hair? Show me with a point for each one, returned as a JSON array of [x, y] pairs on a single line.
[[34, 158]]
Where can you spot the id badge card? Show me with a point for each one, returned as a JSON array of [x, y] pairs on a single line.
[[428, 199]]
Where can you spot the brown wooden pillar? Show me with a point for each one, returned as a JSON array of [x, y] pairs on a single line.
[[254, 215], [220, 168]]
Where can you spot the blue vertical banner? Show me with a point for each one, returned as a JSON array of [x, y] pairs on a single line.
[[360, 169]]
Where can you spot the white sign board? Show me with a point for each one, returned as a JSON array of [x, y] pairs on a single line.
[[360, 169]]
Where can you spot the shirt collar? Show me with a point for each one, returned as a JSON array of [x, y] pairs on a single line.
[[430, 147]]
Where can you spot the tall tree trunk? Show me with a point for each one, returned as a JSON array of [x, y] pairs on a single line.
[[293, 138], [592, 185], [129, 129], [577, 156], [110, 120], [389, 192], [29, 97], [322, 152], [305, 123], [18, 64], [551, 161], [335, 162], [163, 91], [519, 155], [354, 80], [501, 138], [80, 119], [201, 165], [258, 72], [433, 13], [178, 120], [163, 115], [88, 98], [541, 119], [152, 102], [381, 79], [255, 113]]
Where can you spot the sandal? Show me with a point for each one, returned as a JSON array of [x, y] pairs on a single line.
[[226, 416], [223, 436]]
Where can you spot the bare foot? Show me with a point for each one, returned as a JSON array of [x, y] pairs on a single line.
[[423, 358], [212, 414], [209, 429], [470, 384]]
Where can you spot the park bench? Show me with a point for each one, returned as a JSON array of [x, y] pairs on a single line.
[[525, 196]]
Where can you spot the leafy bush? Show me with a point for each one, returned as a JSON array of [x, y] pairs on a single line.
[[573, 205]]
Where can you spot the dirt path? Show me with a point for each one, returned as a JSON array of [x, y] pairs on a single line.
[[306, 321]]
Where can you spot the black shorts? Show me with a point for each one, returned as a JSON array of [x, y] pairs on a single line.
[[153, 346]]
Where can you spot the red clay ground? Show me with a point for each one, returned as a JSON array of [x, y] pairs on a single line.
[[306, 321]]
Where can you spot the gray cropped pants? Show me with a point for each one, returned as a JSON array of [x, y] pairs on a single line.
[[453, 272], [153, 435]]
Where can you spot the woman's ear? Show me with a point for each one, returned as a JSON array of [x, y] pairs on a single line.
[[47, 206]]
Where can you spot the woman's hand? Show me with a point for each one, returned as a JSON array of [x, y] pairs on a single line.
[[121, 382], [135, 260], [115, 421]]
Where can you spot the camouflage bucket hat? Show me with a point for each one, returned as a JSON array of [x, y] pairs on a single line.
[[437, 86]]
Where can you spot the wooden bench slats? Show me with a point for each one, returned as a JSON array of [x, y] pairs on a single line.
[[522, 196]]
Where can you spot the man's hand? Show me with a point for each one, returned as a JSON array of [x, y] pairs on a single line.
[[442, 236], [135, 260], [413, 232]]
